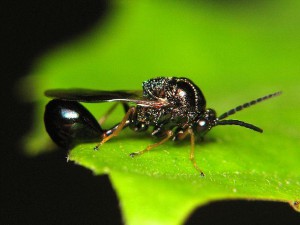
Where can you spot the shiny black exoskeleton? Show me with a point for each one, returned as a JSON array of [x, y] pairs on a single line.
[[173, 107], [69, 123]]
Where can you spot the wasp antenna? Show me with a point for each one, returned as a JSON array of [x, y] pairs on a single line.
[[239, 123], [248, 104]]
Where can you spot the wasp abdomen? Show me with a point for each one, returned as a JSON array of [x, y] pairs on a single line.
[[69, 123]]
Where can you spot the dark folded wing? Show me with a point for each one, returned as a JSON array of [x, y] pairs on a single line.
[[86, 95]]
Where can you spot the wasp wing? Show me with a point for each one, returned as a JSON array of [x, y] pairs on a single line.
[[87, 95], [94, 96]]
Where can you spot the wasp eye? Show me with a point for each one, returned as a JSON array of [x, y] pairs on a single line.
[[202, 123], [202, 126], [210, 114]]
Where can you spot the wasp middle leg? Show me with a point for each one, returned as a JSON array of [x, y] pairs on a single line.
[[168, 134]]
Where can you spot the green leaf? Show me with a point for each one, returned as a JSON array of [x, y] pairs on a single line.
[[235, 54]]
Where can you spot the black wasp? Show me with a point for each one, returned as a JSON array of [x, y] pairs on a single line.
[[173, 107]]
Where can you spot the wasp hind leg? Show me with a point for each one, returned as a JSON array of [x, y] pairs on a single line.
[[111, 109], [117, 129], [169, 134]]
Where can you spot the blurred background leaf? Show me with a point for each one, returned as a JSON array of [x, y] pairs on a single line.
[[234, 51]]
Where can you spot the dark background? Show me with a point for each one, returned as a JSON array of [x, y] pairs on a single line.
[[46, 189]]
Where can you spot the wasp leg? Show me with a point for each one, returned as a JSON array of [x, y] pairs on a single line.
[[192, 153], [169, 134], [180, 136], [110, 110], [117, 129], [106, 115]]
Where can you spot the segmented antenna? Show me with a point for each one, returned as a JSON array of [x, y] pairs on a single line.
[[240, 123], [246, 105]]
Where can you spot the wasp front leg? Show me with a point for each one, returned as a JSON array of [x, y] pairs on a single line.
[[180, 135]]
